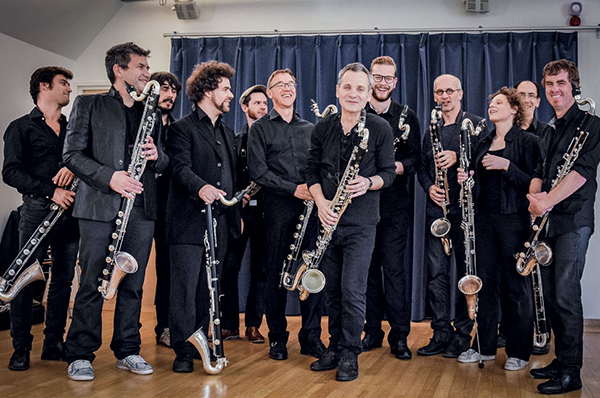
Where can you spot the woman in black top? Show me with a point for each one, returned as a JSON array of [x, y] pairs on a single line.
[[503, 163]]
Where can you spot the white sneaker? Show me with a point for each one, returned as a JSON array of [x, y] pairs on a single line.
[[81, 370], [135, 364], [515, 364], [471, 356], [165, 338]]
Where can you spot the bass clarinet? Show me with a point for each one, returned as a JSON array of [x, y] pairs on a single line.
[[311, 279], [17, 276], [120, 263], [440, 227]]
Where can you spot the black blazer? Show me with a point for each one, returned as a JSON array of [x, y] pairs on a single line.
[[196, 162], [95, 148]]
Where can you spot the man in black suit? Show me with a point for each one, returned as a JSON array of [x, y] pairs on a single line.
[[98, 148], [204, 161]]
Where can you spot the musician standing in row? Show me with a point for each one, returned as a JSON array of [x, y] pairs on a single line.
[[169, 90], [277, 151], [254, 105], [571, 222], [203, 161], [530, 97], [503, 163], [452, 341], [33, 165], [98, 149], [390, 297], [346, 261]]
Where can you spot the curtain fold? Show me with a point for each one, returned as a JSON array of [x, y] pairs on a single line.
[[484, 62]]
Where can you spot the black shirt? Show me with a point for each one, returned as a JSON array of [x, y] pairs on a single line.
[[489, 187], [33, 154], [277, 152], [325, 165], [577, 210], [536, 127]]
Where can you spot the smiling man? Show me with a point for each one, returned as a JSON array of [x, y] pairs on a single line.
[[98, 146], [347, 258], [277, 150], [530, 97]]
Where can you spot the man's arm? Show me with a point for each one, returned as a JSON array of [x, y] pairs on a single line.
[[542, 203]]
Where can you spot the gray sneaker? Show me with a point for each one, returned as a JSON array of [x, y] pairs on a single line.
[[81, 370], [164, 338], [515, 364], [471, 356], [135, 364]]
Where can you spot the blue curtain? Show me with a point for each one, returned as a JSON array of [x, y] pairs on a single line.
[[484, 62]]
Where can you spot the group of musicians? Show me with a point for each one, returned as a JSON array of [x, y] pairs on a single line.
[[199, 160]]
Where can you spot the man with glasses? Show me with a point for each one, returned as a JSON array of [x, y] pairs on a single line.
[[449, 340], [278, 147], [395, 208], [530, 97]]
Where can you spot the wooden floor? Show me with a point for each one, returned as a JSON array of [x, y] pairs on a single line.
[[252, 374]]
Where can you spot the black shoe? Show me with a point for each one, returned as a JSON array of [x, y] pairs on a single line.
[[370, 342], [54, 352], [501, 341], [329, 361], [278, 351], [541, 350], [348, 370], [19, 359], [400, 350], [456, 348], [434, 347], [183, 364], [547, 372], [316, 349], [560, 384]]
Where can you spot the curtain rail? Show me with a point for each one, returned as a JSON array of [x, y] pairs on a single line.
[[479, 29]]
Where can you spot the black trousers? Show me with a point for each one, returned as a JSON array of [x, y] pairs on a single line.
[[562, 294], [346, 268], [254, 232], [387, 293], [438, 283], [85, 333], [497, 238], [190, 300], [281, 216], [163, 273], [64, 242]]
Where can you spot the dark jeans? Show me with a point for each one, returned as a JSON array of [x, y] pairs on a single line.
[[85, 333], [498, 238], [346, 268], [281, 217], [562, 295], [255, 233], [438, 283], [389, 296], [163, 274], [64, 242], [190, 299]]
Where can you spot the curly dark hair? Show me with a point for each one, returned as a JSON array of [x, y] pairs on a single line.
[[121, 55], [553, 68], [514, 100], [206, 77], [45, 75], [169, 78]]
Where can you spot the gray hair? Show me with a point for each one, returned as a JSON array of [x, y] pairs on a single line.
[[448, 75], [355, 67]]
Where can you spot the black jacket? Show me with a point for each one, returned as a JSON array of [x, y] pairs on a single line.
[[196, 162], [95, 148]]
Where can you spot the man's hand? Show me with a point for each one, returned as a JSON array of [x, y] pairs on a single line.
[[437, 194], [122, 183], [63, 177], [446, 159], [399, 168], [493, 162], [302, 192], [326, 215], [358, 186], [63, 197], [537, 205], [461, 176], [149, 149], [245, 200], [209, 194]]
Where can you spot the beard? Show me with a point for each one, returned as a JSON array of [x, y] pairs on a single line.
[[223, 107], [379, 98], [254, 115], [165, 110]]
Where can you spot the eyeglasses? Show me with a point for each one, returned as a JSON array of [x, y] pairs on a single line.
[[448, 91], [282, 85], [379, 78], [528, 95]]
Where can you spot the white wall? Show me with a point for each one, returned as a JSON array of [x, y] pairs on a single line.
[[145, 23]]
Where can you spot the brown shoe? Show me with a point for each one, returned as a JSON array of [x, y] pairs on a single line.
[[227, 334], [253, 335]]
